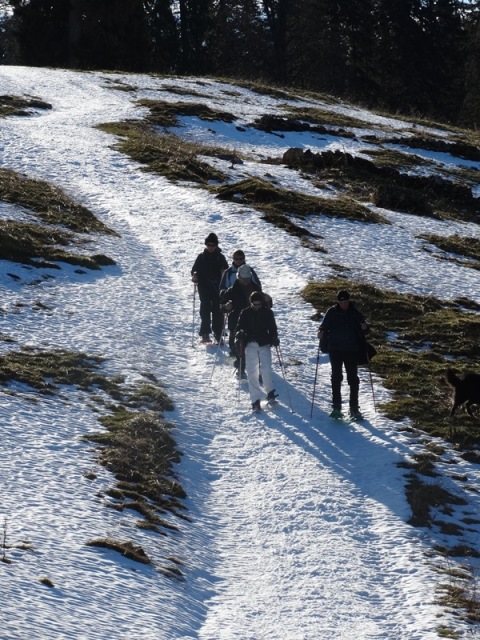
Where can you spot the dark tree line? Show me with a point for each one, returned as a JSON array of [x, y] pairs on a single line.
[[411, 56]]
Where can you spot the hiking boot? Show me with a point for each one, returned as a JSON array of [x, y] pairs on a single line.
[[205, 337], [336, 414], [271, 395], [256, 405], [241, 374], [356, 414]]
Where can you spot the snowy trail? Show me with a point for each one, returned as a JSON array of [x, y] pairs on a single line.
[[298, 526]]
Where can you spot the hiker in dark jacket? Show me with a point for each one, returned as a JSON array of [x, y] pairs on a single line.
[[207, 272], [342, 336], [230, 275], [255, 334], [236, 298]]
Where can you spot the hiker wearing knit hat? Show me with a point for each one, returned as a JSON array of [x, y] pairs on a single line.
[[207, 273], [230, 275], [342, 335], [236, 298], [211, 239], [255, 334], [244, 272]]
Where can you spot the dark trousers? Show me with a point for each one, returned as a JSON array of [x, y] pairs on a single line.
[[338, 360], [210, 313], [232, 323]]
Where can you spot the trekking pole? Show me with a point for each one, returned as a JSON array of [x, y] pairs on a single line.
[[193, 313], [218, 346], [315, 380], [373, 393], [280, 360], [239, 374], [367, 357]]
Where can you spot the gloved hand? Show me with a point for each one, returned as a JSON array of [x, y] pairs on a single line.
[[275, 342]]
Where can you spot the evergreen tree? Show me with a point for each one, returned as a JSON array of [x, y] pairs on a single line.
[[316, 52], [445, 63], [7, 46], [85, 33], [329, 44], [238, 43], [277, 17], [358, 38], [165, 41], [194, 28], [74, 31], [470, 111], [114, 35], [40, 29], [400, 55]]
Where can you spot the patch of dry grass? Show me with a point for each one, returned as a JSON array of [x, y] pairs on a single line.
[[39, 246], [466, 250], [167, 155], [281, 206], [166, 114], [20, 105], [126, 548], [48, 202]]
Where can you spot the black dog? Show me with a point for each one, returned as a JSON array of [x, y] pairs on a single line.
[[467, 390]]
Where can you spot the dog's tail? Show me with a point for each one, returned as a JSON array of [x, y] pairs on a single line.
[[452, 378]]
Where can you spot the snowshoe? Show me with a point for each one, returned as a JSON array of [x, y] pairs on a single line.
[[336, 414], [272, 397], [356, 415]]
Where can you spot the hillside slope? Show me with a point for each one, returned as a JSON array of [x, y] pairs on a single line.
[[295, 527]]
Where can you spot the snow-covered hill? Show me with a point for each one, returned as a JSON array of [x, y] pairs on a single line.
[[298, 527]]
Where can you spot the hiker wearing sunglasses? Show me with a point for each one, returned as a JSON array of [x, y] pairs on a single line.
[[236, 298], [342, 335], [230, 275], [207, 272], [255, 334]]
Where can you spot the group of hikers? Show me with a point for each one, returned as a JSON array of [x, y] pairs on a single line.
[[232, 296]]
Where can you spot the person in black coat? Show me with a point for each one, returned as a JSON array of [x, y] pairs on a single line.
[[342, 335], [255, 334], [207, 272], [236, 298], [230, 275]]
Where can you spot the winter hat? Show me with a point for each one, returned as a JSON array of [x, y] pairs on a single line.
[[257, 296], [212, 238], [343, 295], [244, 271]]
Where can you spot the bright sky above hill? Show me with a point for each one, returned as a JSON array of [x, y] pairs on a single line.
[[298, 526]]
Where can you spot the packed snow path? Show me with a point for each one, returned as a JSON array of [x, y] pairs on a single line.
[[298, 526]]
